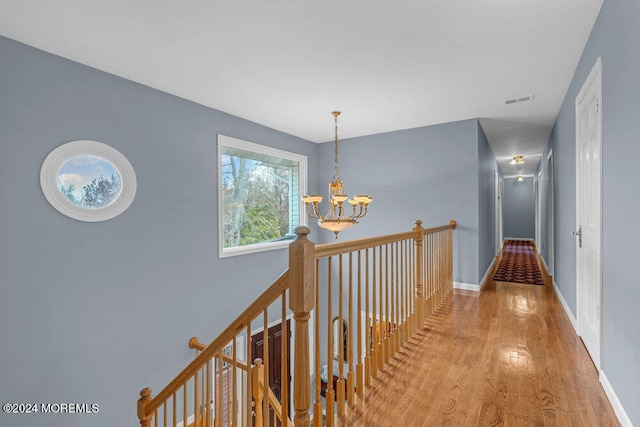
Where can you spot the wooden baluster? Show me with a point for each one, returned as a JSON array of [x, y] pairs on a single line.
[[381, 334], [392, 318], [284, 369], [403, 285], [175, 410], [258, 394], [329, 394], [317, 406], [359, 367], [242, 397], [396, 284], [196, 410], [340, 383], [234, 382], [374, 323], [250, 386], [145, 398], [428, 249], [453, 224], [350, 383], [184, 404], [396, 326], [405, 297], [206, 395], [387, 316], [164, 414], [436, 268], [266, 362], [367, 328], [439, 269], [414, 281], [218, 388], [155, 417], [420, 309], [301, 264], [203, 407]]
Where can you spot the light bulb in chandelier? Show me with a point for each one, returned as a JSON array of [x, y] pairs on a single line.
[[336, 218]]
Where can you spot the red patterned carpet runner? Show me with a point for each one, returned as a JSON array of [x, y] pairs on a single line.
[[519, 264]]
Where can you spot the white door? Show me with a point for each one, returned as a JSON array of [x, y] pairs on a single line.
[[589, 211], [496, 193], [536, 200], [550, 224]]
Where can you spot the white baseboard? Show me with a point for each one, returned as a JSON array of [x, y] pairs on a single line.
[[615, 402], [524, 239], [486, 275], [466, 286], [567, 310], [546, 267]]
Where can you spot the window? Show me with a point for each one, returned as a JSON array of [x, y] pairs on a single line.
[[88, 181], [259, 190]]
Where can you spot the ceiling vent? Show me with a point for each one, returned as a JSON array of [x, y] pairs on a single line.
[[518, 100]]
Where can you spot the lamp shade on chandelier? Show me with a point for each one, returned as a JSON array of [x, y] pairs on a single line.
[[336, 218]]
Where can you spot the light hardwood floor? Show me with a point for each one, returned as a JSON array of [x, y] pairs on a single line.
[[507, 356]]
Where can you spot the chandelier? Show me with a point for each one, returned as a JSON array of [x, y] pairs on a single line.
[[336, 219]]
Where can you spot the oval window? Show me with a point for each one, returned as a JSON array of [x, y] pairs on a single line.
[[88, 181]]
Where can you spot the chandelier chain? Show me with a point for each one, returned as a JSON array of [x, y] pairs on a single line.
[[337, 176]]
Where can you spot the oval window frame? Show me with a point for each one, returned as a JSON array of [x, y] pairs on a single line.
[[55, 160]]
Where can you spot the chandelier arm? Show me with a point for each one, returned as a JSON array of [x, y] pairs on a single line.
[[353, 212], [363, 210], [313, 213]]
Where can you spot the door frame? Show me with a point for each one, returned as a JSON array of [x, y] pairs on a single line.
[[594, 75], [538, 211], [497, 211], [550, 214]]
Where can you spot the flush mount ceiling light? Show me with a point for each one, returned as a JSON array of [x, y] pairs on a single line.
[[519, 178], [517, 160], [336, 220]]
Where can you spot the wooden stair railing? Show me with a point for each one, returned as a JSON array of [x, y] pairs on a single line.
[[258, 389], [383, 288]]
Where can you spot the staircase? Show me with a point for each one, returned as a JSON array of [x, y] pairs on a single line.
[[380, 289]]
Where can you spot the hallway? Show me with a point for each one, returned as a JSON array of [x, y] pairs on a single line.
[[505, 356]]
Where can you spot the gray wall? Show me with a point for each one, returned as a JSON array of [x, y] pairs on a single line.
[[614, 37], [93, 312], [428, 173], [518, 208], [487, 168]]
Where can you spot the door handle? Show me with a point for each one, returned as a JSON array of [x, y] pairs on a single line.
[[579, 234]]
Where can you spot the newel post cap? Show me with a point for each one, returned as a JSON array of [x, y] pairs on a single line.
[[453, 224], [302, 231], [418, 230], [301, 272], [145, 397]]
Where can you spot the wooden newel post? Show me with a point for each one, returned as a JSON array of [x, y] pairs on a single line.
[[301, 302], [145, 398], [420, 302], [257, 374]]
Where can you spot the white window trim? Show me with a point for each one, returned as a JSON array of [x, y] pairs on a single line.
[[228, 141], [55, 160]]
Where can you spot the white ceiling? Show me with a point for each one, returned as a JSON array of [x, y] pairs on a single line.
[[286, 64]]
